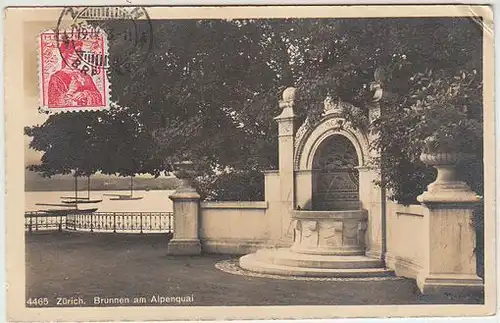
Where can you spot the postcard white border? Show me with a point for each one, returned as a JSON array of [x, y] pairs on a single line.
[[14, 176]]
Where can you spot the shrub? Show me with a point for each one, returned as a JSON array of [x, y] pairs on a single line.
[[246, 185]]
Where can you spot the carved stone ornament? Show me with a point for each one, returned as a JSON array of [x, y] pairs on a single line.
[[374, 113], [336, 107], [309, 233], [285, 128], [302, 131], [350, 233], [333, 234], [330, 106]]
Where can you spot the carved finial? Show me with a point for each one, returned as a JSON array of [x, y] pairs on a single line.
[[287, 103], [289, 94], [376, 86], [377, 91]]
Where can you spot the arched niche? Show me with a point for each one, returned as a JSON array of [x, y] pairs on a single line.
[[335, 177]]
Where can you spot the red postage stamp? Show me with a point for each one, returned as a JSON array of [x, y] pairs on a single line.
[[72, 71]]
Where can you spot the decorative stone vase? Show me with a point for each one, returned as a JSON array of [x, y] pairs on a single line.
[[185, 172], [446, 187]]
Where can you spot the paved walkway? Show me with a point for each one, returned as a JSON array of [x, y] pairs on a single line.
[[86, 265]]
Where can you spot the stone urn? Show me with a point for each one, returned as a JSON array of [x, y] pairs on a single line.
[[446, 187], [186, 173]]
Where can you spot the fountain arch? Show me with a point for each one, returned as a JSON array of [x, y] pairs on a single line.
[[309, 138], [335, 177]]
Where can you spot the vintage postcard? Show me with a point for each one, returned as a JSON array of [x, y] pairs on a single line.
[[249, 162]]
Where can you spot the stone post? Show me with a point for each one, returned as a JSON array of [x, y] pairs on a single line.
[[371, 195], [450, 262], [285, 154], [186, 202]]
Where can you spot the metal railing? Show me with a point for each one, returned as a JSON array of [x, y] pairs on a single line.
[[126, 222], [41, 221]]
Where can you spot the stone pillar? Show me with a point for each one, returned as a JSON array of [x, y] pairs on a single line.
[[186, 203], [450, 262], [371, 195], [285, 154]]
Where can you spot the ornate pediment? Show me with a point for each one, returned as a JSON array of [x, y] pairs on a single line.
[[332, 108], [332, 121], [336, 106]]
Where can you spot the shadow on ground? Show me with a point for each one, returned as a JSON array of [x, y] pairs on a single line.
[[88, 265]]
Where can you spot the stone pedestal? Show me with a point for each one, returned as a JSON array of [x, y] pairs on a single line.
[[450, 265], [372, 200], [451, 259], [371, 195], [186, 204]]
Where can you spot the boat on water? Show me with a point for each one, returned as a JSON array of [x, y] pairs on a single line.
[[54, 204], [79, 201], [68, 211], [74, 198], [126, 197], [69, 204]]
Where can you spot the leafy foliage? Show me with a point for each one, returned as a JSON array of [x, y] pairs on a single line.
[[233, 186], [429, 70], [207, 91]]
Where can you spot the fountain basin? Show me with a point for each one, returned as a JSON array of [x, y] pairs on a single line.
[[329, 232]]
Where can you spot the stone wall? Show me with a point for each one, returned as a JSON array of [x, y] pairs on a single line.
[[406, 236], [233, 227]]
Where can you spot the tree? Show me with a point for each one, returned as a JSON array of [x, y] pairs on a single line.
[[431, 67], [207, 91], [73, 152], [182, 102]]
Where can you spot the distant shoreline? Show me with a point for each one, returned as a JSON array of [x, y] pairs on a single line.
[[99, 189], [33, 182]]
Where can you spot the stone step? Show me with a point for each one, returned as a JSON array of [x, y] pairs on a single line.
[[285, 257], [252, 262], [329, 251]]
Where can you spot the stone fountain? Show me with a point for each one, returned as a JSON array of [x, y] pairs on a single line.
[[325, 244], [329, 239]]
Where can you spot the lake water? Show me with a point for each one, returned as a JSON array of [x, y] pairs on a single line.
[[152, 201]]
